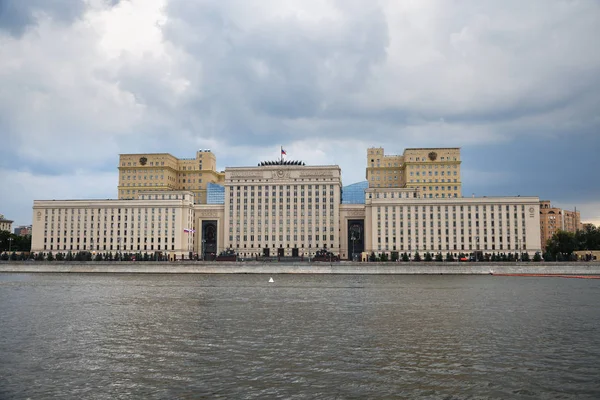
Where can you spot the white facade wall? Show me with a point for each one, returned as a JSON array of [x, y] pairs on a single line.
[[282, 207], [154, 222], [398, 220]]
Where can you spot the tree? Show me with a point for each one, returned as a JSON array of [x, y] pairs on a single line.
[[439, 257], [50, 257], [417, 257], [60, 257], [428, 257], [537, 257], [525, 257], [449, 257], [11, 242], [395, 256], [562, 243], [383, 257], [405, 257]]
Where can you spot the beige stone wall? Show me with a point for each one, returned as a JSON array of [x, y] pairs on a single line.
[[142, 172], [401, 220], [154, 222], [295, 217], [384, 170], [434, 171]]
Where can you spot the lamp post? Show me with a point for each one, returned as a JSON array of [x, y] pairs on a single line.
[[203, 242], [476, 247], [520, 252], [309, 248], [353, 240], [9, 243]]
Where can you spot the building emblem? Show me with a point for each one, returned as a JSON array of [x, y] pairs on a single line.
[[432, 156], [143, 160]]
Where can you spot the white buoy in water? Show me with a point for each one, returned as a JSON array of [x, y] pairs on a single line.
[[271, 280]]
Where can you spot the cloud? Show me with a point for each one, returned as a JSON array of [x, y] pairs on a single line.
[[515, 85]]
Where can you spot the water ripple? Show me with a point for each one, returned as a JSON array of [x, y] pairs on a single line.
[[304, 337]]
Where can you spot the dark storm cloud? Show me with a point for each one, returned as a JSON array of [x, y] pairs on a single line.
[[281, 69], [17, 15], [514, 84]]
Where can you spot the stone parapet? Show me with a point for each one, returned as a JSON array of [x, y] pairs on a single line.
[[576, 268]]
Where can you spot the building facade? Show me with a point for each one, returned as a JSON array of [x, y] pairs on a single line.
[[163, 172], [23, 230], [282, 209], [435, 171], [5, 224], [553, 219], [287, 209], [401, 220], [155, 222]]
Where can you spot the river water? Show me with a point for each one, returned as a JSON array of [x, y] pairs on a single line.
[[79, 336]]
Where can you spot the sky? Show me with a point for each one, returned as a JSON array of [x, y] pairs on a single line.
[[515, 84]]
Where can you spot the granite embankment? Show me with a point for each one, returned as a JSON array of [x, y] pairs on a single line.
[[433, 268]]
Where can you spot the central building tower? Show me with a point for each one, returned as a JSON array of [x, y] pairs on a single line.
[[282, 208]]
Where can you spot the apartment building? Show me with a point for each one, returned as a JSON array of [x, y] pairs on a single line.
[[553, 219]]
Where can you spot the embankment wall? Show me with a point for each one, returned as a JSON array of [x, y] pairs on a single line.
[[433, 268]]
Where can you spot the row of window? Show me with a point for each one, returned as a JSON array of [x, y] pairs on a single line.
[[484, 208], [111, 233], [118, 240], [274, 238], [108, 247], [439, 247], [71, 211]]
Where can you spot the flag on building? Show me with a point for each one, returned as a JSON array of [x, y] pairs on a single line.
[[186, 230], [283, 153]]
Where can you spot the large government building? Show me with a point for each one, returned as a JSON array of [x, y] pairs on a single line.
[[142, 172], [409, 203], [436, 172]]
